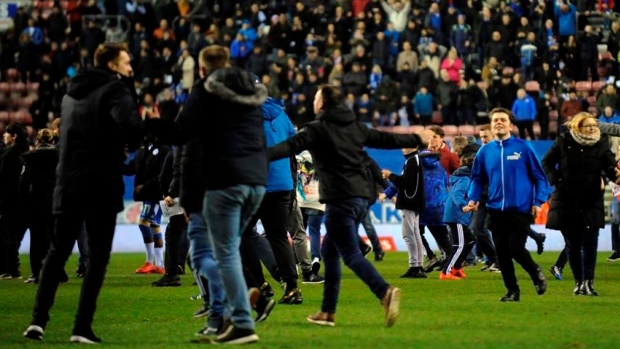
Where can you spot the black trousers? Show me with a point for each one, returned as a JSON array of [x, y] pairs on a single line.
[[100, 229], [483, 241], [175, 230], [274, 214], [581, 250], [526, 126], [510, 231], [442, 237], [41, 231], [462, 242], [13, 226]]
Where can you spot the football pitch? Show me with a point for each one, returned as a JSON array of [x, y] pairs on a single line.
[[434, 313]]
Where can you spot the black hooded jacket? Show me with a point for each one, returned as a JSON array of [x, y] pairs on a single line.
[[39, 176], [99, 120], [336, 141]]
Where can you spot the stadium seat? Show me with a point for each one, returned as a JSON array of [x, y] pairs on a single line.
[[450, 130], [597, 85], [416, 129], [26, 102], [532, 86], [477, 129], [23, 116], [583, 86], [33, 87], [19, 87], [30, 130], [12, 74], [4, 116], [4, 87], [553, 115], [437, 118], [466, 130]]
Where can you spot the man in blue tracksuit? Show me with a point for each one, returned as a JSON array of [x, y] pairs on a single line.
[[517, 188]]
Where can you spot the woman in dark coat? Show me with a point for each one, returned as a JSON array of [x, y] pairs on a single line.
[[574, 165], [37, 188]]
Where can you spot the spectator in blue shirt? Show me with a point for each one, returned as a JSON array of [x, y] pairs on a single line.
[[423, 106], [610, 116], [524, 110]]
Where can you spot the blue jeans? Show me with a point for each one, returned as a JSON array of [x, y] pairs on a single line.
[[314, 230], [342, 217], [227, 213], [201, 251], [371, 232]]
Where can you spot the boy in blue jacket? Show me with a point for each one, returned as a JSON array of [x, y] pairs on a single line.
[[463, 238]]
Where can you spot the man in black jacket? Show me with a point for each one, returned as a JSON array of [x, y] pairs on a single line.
[[100, 120], [336, 140]]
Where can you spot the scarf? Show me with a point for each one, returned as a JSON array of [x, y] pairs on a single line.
[[586, 140]]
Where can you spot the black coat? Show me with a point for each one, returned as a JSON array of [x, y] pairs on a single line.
[[336, 140], [39, 178], [99, 121], [373, 171], [10, 171], [576, 173], [147, 166], [410, 184]]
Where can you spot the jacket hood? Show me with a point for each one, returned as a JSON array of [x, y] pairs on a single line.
[[430, 160], [237, 86], [463, 171], [340, 114], [272, 108], [83, 84]]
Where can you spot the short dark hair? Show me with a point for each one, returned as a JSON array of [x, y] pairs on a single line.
[[437, 130], [107, 53], [18, 130], [511, 116], [331, 95]]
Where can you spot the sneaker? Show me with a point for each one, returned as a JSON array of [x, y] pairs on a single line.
[[541, 243], [391, 302], [292, 297], [81, 270], [180, 269], [312, 279], [253, 296], [458, 273], [540, 282], [414, 273], [32, 280], [433, 264], [322, 319], [614, 257], [159, 270], [486, 266], [167, 281], [147, 268], [85, 337], [316, 266], [366, 248], [10, 276], [556, 272], [379, 256], [267, 290], [264, 308], [494, 268], [511, 296], [203, 311], [34, 332], [196, 297], [449, 276], [235, 335]]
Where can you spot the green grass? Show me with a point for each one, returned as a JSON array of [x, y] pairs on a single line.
[[434, 313]]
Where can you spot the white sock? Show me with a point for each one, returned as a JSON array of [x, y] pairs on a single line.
[[150, 254], [159, 256]]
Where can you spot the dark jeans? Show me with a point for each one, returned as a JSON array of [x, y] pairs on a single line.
[[581, 247], [526, 126], [371, 232], [262, 249], [82, 242], [442, 237], [483, 238], [175, 230], [562, 259], [274, 214], [13, 226], [313, 220], [100, 229], [342, 218], [510, 231], [41, 231], [615, 237]]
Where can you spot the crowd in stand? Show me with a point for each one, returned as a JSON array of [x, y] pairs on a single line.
[[399, 63]]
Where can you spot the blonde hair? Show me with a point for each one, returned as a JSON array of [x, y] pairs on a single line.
[[213, 57], [458, 143], [578, 119]]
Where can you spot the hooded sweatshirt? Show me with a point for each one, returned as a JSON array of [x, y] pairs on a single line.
[[278, 128]]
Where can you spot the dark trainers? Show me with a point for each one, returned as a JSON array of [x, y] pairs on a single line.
[[365, 248], [81, 270], [203, 311], [541, 243], [322, 319], [390, 303], [433, 264], [266, 290], [410, 273], [540, 282], [292, 297], [312, 279], [379, 256], [86, 336], [511, 296], [614, 257], [264, 308], [556, 272], [32, 280], [235, 335], [34, 332], [167, 281], [316, 266]]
